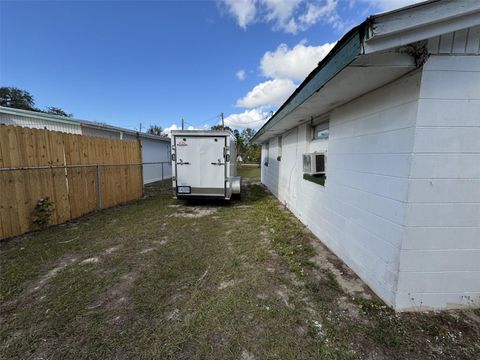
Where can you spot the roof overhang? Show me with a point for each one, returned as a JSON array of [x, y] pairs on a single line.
[[419, 22], [343, 53], [369, 56], [106, 127], [39, 115], [364, 74]]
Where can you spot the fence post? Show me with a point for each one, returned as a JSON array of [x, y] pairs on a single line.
[[99, 188]]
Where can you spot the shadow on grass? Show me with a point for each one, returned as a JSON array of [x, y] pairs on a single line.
[[250, 194]]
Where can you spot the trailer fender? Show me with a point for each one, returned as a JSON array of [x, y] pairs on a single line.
[[236, 181]]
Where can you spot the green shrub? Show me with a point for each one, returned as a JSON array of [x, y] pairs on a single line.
[[42, 212]]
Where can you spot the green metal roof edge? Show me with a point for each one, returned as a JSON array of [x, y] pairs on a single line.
[[39, 115], [346, 50]]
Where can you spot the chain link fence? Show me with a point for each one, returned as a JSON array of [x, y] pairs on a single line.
[[75, 189]]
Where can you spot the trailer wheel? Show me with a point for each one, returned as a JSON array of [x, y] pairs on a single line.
[[236, 184]]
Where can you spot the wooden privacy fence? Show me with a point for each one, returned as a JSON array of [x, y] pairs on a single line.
[[79, 173]]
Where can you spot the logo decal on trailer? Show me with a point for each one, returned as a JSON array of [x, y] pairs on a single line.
[[182, 143]]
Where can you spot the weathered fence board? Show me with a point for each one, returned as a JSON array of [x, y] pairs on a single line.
[[74, 190]]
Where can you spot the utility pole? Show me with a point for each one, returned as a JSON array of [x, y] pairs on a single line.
[[223, 122], [182, 123], [140, 127]]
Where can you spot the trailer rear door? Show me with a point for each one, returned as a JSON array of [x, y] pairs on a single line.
[[200, 165]]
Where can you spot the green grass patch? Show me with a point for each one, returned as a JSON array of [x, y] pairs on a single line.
[[153, 279]]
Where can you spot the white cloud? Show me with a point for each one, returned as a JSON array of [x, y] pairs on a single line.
[[253, 118], [286, 68], [326, 12], [269, 93], [315, 11], [168, 130], [291, 27], [295, 63], [243, 10], [391, 4], [240, 74], [280, 12], [290, 16]]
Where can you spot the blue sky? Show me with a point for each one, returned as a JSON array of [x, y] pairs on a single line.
[[126, 62]]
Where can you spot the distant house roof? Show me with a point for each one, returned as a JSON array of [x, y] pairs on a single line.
[[85, 123], [360, 59], [39, 115], [97, 125]]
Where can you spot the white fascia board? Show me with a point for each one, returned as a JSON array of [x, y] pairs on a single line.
[[419, 22], [420, 15]]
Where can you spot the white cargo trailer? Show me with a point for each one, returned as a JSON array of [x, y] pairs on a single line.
[[204, 164]]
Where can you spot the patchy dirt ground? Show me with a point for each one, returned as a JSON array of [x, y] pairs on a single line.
[[161, 278]]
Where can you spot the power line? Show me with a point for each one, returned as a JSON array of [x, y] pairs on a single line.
[[208, 120], [205, 122]]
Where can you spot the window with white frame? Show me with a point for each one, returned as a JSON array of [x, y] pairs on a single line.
[[279, 153], [321, 130], [266, 153], [314, 169]]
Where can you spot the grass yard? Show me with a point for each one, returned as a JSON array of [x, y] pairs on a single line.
[[160, 278]]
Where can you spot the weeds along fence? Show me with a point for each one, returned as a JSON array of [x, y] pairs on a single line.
[[78, 173]]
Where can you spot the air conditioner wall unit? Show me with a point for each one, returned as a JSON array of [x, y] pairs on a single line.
[[314, 163]]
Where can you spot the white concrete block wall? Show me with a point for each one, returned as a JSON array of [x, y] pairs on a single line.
[[359, 213], [440, 257], [401, 204], [270, 162]]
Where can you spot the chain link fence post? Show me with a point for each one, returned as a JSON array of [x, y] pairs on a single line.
[[99, 188], [162, 176]]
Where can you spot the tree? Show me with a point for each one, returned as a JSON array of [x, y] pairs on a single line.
[[248, 134], [22, 99], [220, 127], [57, 111], [248, 151], [155, 130], [16, 98], [240, 143]]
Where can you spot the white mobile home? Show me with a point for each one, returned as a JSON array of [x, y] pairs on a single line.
[[389, 123], [154, 148]]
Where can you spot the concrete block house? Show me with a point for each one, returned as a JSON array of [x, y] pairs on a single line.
[[378, 153]]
